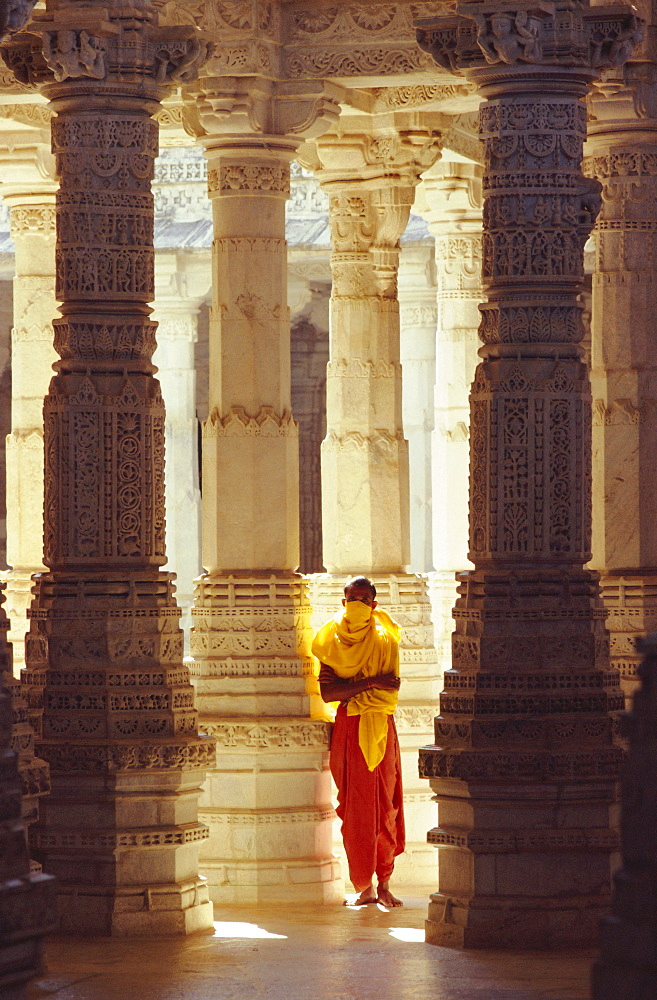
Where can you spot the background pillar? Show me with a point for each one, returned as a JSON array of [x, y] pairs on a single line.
[[622, 154], [29, 189], [417, 325], [370, 177], [449, 198], [267, 801], [181, 284]]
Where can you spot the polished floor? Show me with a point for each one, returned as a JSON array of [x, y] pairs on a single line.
[[305, 953]]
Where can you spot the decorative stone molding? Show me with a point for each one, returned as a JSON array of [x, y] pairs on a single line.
[[270, 736], [104, 489], [359, 40], [412, 96], [529, 600]]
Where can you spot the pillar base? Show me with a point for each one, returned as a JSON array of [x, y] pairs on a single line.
[[534, 923], [267, 800], [139, 911], [405, 597], [274, 881]]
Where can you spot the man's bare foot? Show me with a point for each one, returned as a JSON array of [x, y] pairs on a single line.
[[385, 897], [367, 896]]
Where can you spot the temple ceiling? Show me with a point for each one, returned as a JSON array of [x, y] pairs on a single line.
[[367, 53]]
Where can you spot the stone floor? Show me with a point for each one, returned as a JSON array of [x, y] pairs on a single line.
[[323, 953]]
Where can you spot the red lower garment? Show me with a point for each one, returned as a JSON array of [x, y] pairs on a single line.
[[369, 802]]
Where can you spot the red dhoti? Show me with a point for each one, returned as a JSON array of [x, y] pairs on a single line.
[[369, 802]]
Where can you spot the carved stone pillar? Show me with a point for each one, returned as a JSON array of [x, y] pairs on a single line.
[[29, 188], [109, 697], [417, 324], [451, 202], [181, 283], [626, 968], [622, 151], [370, 177], [524, 765], [267, 803]]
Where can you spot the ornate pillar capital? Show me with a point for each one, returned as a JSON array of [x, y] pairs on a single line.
[[501, 45], [83, 50], [450, 195], [244, 110]]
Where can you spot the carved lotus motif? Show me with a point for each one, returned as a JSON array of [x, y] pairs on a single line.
[[372, 17], [235, 13], [315, 21]]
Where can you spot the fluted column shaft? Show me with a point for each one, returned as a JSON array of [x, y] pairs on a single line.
[[109, 696], [29, 188], [525, 741], [622, 154]]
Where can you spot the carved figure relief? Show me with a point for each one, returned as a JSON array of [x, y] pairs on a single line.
[[71, 54], [508, 38]]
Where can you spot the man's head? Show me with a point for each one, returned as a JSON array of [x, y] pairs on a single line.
[[359, 588]]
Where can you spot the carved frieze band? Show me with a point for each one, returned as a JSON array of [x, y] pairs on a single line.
[[249, 178], [238, 423], [27, 219], [281, 735]]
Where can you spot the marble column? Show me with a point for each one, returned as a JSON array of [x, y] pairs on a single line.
[[450, 200], [267, 800], [622, 150], [28, 186], [524, 764], [417, 324], [370, 177], [109, 697], [182, 281]]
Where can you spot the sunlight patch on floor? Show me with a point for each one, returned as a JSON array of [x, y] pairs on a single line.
[[414, 935], [237, 929]]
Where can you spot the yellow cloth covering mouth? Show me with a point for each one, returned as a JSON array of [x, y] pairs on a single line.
[[363, 642]]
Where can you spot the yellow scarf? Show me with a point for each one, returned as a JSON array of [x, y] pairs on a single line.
[[363, 642]]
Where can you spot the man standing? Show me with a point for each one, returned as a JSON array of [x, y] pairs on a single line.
[[358, 651]]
